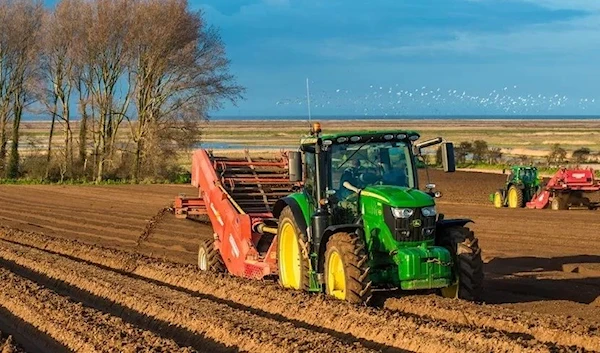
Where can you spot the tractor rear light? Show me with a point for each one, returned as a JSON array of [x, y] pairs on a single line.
[[401, 136], [402, 212]]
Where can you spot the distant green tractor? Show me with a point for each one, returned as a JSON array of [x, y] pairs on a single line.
[[521, 185]]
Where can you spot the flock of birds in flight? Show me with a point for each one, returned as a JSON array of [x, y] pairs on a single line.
[[384, 101]]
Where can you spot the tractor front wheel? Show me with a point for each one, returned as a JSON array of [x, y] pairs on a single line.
[[346, 268], [468, 265], [515, 197], [209, 258], [292, 253], [498, 200]]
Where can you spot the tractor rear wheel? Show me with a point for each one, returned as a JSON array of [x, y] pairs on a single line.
[[498, 200], [209, 258], [346, 268], [468, 265], [515, 197], [292, 253]]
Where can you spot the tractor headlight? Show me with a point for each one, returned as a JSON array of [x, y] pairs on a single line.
[[402, 212], [428, 211]]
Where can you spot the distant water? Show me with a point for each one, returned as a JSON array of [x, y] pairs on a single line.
[[410, 117], [378, 117]]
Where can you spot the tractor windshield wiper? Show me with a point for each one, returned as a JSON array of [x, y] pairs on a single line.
[[355, 152]]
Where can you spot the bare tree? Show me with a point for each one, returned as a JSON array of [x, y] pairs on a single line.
[[179, 66], [20, 29], [58, 67], [103, 58]]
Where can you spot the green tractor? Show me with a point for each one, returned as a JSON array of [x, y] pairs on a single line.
[[361, 222], [522, 183]]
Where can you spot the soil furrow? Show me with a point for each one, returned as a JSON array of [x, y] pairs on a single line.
[[166, 309], [545, 328], [7, 344], [74, 326], [411, 332]]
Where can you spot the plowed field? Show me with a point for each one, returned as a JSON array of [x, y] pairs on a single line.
[[108, 269]]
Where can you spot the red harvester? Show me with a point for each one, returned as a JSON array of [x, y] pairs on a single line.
[[567, 188], [237, 194]]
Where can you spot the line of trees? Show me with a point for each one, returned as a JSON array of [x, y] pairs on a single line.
[[478, 151], [125, 84]]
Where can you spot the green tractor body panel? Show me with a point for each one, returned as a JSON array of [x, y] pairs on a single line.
[[415, 264], [302, 202], [396, 196]]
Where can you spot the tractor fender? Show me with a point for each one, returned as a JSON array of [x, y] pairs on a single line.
[[331, 230], [296, 211], [517, 185], [448, 223]]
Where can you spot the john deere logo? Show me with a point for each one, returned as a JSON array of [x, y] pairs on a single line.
[[416, 223]]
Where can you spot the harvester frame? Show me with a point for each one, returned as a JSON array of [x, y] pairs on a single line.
[[566, 189]]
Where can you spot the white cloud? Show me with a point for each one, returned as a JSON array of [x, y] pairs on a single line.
[[277, 2], [563, 38], [584, 5]]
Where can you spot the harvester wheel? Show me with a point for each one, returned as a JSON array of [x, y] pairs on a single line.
[[515, 197], [559, 203], [292, 253], [346, 268], [209, 258], [498, 200], [468, 265]]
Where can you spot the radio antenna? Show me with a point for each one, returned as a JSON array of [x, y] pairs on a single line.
[[308, 100]]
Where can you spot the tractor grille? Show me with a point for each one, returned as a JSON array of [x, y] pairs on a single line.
[[407, 230]]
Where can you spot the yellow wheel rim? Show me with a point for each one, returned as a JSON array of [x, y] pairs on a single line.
[[336, 278], [450, 292], [498, 200], [289, 257], [513, 198]]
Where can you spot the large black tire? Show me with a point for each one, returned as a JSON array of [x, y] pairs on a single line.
[[287, 218], [353, 253], [468, 265], [209, 258], [519, 199]]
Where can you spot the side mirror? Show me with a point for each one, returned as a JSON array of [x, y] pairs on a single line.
[[448, 157], [295, 166]]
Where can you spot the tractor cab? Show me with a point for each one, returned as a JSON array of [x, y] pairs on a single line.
[[361, 194]]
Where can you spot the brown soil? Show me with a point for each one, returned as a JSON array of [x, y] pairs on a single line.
[[7, 345], [114, 249], [95, 271]]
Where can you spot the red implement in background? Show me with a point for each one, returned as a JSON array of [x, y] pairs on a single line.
[[237, 195], [566, 188]]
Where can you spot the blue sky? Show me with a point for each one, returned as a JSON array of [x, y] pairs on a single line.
[[376, 52], [411, 57]]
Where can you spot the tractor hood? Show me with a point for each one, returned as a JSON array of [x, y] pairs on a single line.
[[397, 196]]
